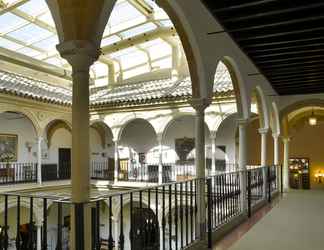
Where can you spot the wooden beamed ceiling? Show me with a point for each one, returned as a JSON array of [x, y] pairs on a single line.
[[284, 38]]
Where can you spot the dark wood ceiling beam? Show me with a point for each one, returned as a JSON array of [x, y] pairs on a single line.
[[292, 65], [293, 59], [295, 70], [273, 13], [279, 34], [273, 77], [296, 52], [278, 43], [241, 6], [283, 48], [276, 24], [301, 82]]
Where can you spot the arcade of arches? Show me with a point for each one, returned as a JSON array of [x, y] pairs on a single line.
[[116, 127]]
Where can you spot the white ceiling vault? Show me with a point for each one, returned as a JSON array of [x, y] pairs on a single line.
[[28, 34]]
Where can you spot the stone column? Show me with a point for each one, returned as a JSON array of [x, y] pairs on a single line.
[[39, 159], [213, 166], [276, 158], [200, 105], [81, 55], [264, 132], [160, 170], [242, 125], [39, 237], [116, 171], [275, 149], [285, 178]]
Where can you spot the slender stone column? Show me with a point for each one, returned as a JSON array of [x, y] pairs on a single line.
[[213, 166], [39, 159], [39, 237], [81, 55], [116, 171], [200, 105], [242, 124], [160, 170], [264, 132], [286, 141], [275, 149]]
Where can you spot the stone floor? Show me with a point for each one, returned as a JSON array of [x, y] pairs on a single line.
[[295, 223]]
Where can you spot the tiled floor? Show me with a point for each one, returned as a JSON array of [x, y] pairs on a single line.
[[239, 232], [296, 223]]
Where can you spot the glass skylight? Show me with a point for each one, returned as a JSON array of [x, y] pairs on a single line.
[[27, 29]]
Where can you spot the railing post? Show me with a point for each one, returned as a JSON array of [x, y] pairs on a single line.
[[269, 183], [249, 192], [209, 217], [79, 226]]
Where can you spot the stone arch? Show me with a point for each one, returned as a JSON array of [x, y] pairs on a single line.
[[129, 119], [275, 119], [262, 107], [28, 114], [103, 130], [177, 116], [53, 126], [238, 85]]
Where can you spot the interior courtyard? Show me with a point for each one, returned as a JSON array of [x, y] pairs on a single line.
[[161, 124]]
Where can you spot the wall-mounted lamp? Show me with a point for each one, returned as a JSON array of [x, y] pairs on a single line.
[[312, 120], [319, 177]]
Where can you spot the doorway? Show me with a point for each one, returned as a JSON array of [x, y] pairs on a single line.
[[64, 167]]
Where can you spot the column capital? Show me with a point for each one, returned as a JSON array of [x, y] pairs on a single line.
[[159, 138], [275, 135], [242, 121], [263, 131], [199, 104], [286, 139], [81, 54], [213, 135]]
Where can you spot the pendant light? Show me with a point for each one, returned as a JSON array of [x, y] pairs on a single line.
[[312, 120]]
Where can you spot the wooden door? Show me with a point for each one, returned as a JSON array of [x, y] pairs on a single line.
[[64, 163]]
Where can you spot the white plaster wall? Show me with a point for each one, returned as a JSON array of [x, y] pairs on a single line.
[[225, 136], [62, 138], [26, 133]]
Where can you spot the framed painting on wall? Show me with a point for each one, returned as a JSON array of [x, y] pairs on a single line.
[[8, 147]]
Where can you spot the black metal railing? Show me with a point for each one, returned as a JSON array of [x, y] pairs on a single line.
[[101, 171], [225, 192], [14, 172], [161, 217]]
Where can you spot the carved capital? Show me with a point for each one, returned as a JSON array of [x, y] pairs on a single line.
[[199, 104], [263, 131], [79, 53]]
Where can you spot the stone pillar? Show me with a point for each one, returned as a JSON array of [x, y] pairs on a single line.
[[81, 55], [213, 166], [39, 159], [160, 170], [116, 171], [275, 149], [242, 125], [200, 105], [39, 237], [286, 164], [264, 132]]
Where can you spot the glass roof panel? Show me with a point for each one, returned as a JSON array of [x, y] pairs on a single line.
[[47, 18], [123, 16], [133, 58], [136, 71], [110, 40], [165, 63], [47, 44], [138, 30], [28, 52], [9, 21], [34, 7], [99, 69], [4, 43], [30, 33]]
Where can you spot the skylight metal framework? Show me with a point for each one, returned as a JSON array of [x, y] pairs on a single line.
[[27, 28]]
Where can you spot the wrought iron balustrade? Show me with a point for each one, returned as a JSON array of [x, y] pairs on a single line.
[[15, 172]]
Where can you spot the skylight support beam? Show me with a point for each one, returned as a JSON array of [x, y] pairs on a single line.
[[34, 64], [158, 33], [36, 21], [142, 7], [12, 6]]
